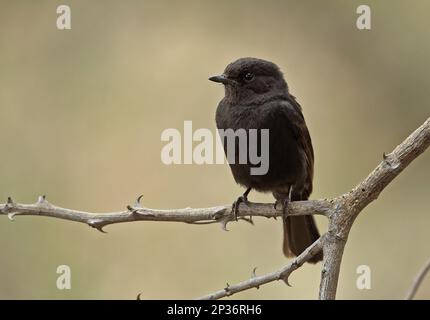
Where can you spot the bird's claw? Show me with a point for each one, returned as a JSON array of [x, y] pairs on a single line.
[[235, 206], [284, 204]]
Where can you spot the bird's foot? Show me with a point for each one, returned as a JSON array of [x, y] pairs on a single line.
[[235, 206], [284, 203]]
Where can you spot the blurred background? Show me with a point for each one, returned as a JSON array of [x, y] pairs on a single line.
[[82, 112]]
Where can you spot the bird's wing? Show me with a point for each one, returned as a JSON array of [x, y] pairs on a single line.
[[290, 113], [304, 140]]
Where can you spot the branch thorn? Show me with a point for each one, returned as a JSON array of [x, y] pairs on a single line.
[[42, 200], [132, 210], [224, 222], [253, 275], [137, 204], [97, 225], [286, 280], [227, 288]]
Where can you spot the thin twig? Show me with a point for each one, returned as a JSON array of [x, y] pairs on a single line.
[[257, 281], [418, 281]]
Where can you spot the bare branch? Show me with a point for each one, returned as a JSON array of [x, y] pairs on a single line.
[[257, 281], [341, 212], [418, 281], [221, 214], [348, 206]]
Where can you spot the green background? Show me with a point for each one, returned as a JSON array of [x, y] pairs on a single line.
[[82, 112]]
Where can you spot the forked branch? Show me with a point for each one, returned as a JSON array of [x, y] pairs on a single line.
[[340, 211]]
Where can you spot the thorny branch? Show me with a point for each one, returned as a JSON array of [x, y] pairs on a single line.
[[219, 214], [257, 281], [341, 213]]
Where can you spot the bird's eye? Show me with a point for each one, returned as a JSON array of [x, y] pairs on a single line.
[[248, 76]]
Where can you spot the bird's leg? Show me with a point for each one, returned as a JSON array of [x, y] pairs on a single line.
[[242, 199], [282, 198], [285, 202]]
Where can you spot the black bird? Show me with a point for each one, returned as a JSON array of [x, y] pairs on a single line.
[[257, 97]]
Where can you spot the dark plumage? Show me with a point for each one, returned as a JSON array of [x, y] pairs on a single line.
[[257, 97]]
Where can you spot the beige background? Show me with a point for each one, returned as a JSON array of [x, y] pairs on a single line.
[[82, 112]]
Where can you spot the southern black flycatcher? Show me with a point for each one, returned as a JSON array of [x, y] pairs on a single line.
[[257, 97]]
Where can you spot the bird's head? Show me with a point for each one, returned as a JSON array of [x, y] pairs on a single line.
[[249, 79]]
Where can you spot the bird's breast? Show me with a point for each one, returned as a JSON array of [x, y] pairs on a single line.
[[283, 153]]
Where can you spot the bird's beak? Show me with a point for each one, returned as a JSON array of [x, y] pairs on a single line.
[[221, 79]]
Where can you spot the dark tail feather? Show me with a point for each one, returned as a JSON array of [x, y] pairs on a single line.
[[299, 233]]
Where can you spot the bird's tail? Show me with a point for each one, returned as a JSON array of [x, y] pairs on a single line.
[[299, 233]]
